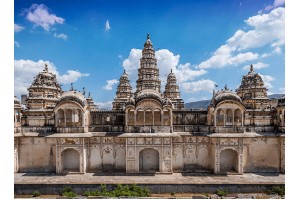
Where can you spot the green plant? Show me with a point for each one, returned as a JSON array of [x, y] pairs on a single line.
[[36, 193], [280, 190], [67, 192], [221, 192], [173, 193]]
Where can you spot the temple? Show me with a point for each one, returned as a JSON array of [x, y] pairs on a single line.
[[148, 130]]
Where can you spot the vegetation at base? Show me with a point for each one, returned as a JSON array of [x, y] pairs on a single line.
[[173, 193], [67, 192], [36, 193], [120, 190], [221, 192], [280, 190]]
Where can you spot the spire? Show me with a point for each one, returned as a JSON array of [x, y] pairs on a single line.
[[89, 95], [251, 68], [83, 91], [171, 71], [46, 67], [148, 36], [225, 88], [72, 88]]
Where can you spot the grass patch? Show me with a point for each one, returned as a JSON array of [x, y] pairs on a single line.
[[221, 192], [119, 191], [67, 192], [36, 193], [280, 190]]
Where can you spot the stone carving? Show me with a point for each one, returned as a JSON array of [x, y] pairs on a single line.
[[69, 141], [140, 141], [95, 140], [130, 140], [156, 140], [148, 140], [229, 141], [167, 141], [107, 139], [130, 152]]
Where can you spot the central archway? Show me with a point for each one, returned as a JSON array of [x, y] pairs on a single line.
[[70, 160], [148, 160], [228, 161]]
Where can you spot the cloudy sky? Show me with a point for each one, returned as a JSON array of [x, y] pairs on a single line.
[[206, 43]]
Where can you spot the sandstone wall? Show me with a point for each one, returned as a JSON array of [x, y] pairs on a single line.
[[36, 154]]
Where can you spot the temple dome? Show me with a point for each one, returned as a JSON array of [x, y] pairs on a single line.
[[225, 94], [73, 96], [148, 93]]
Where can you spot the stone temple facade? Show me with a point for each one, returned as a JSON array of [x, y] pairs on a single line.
[[148, 130]]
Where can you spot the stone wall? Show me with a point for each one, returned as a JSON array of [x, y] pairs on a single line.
[[186, 153], [36, 154], [262, 154]]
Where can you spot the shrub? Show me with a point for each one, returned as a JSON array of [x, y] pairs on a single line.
[[67, 192], [119, 191], [36, 193], [221, 192], [173, 193], [280, 190]]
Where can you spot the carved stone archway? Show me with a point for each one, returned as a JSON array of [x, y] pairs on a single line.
[[148, 160]]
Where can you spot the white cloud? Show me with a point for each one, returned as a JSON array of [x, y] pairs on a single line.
[[18, 28], [265, 29], [197, 86], [187, 72], [17, 44], [277, 50], [40, 16], [61, 36], [258, 65], [267, 79], [166, 60], [282, 90], [107, 26], [276, 4], [109, 84], [104, 105], [25, 70]]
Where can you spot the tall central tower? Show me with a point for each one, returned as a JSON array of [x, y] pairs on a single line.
[[148, 75]]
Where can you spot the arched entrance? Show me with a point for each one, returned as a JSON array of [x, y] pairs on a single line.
[[228, 161], [149, 160], [70, 160]]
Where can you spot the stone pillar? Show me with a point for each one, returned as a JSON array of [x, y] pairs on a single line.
[[225, 117], [126, 118], [144, 118], [135, 117], [65, 118], [162, 117], [215, 119], [232, 117], [152, 117]]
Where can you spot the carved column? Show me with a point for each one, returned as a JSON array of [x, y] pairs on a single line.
[[135, 117], [65, 118], [162, 117]]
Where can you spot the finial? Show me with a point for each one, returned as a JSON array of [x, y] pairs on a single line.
[[171, 70], [148, 36], [251, 68], [46, 67], [83, 91], [72, 88], [225, 88], [89, 94]]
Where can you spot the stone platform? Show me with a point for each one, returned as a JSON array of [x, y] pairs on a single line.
[[123, 178], [26, 183]]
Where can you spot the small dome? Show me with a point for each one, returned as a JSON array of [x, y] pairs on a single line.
[[73, 96], [16, 100], [167, 102], [148, 94], [130, 101], [225, 95]]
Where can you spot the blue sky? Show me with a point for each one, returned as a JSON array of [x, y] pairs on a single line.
[[204, 42]]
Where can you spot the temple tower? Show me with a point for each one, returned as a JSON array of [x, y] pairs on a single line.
[[172, 91], [43, 95], [148, 73], [124, 91], [253, 94]]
